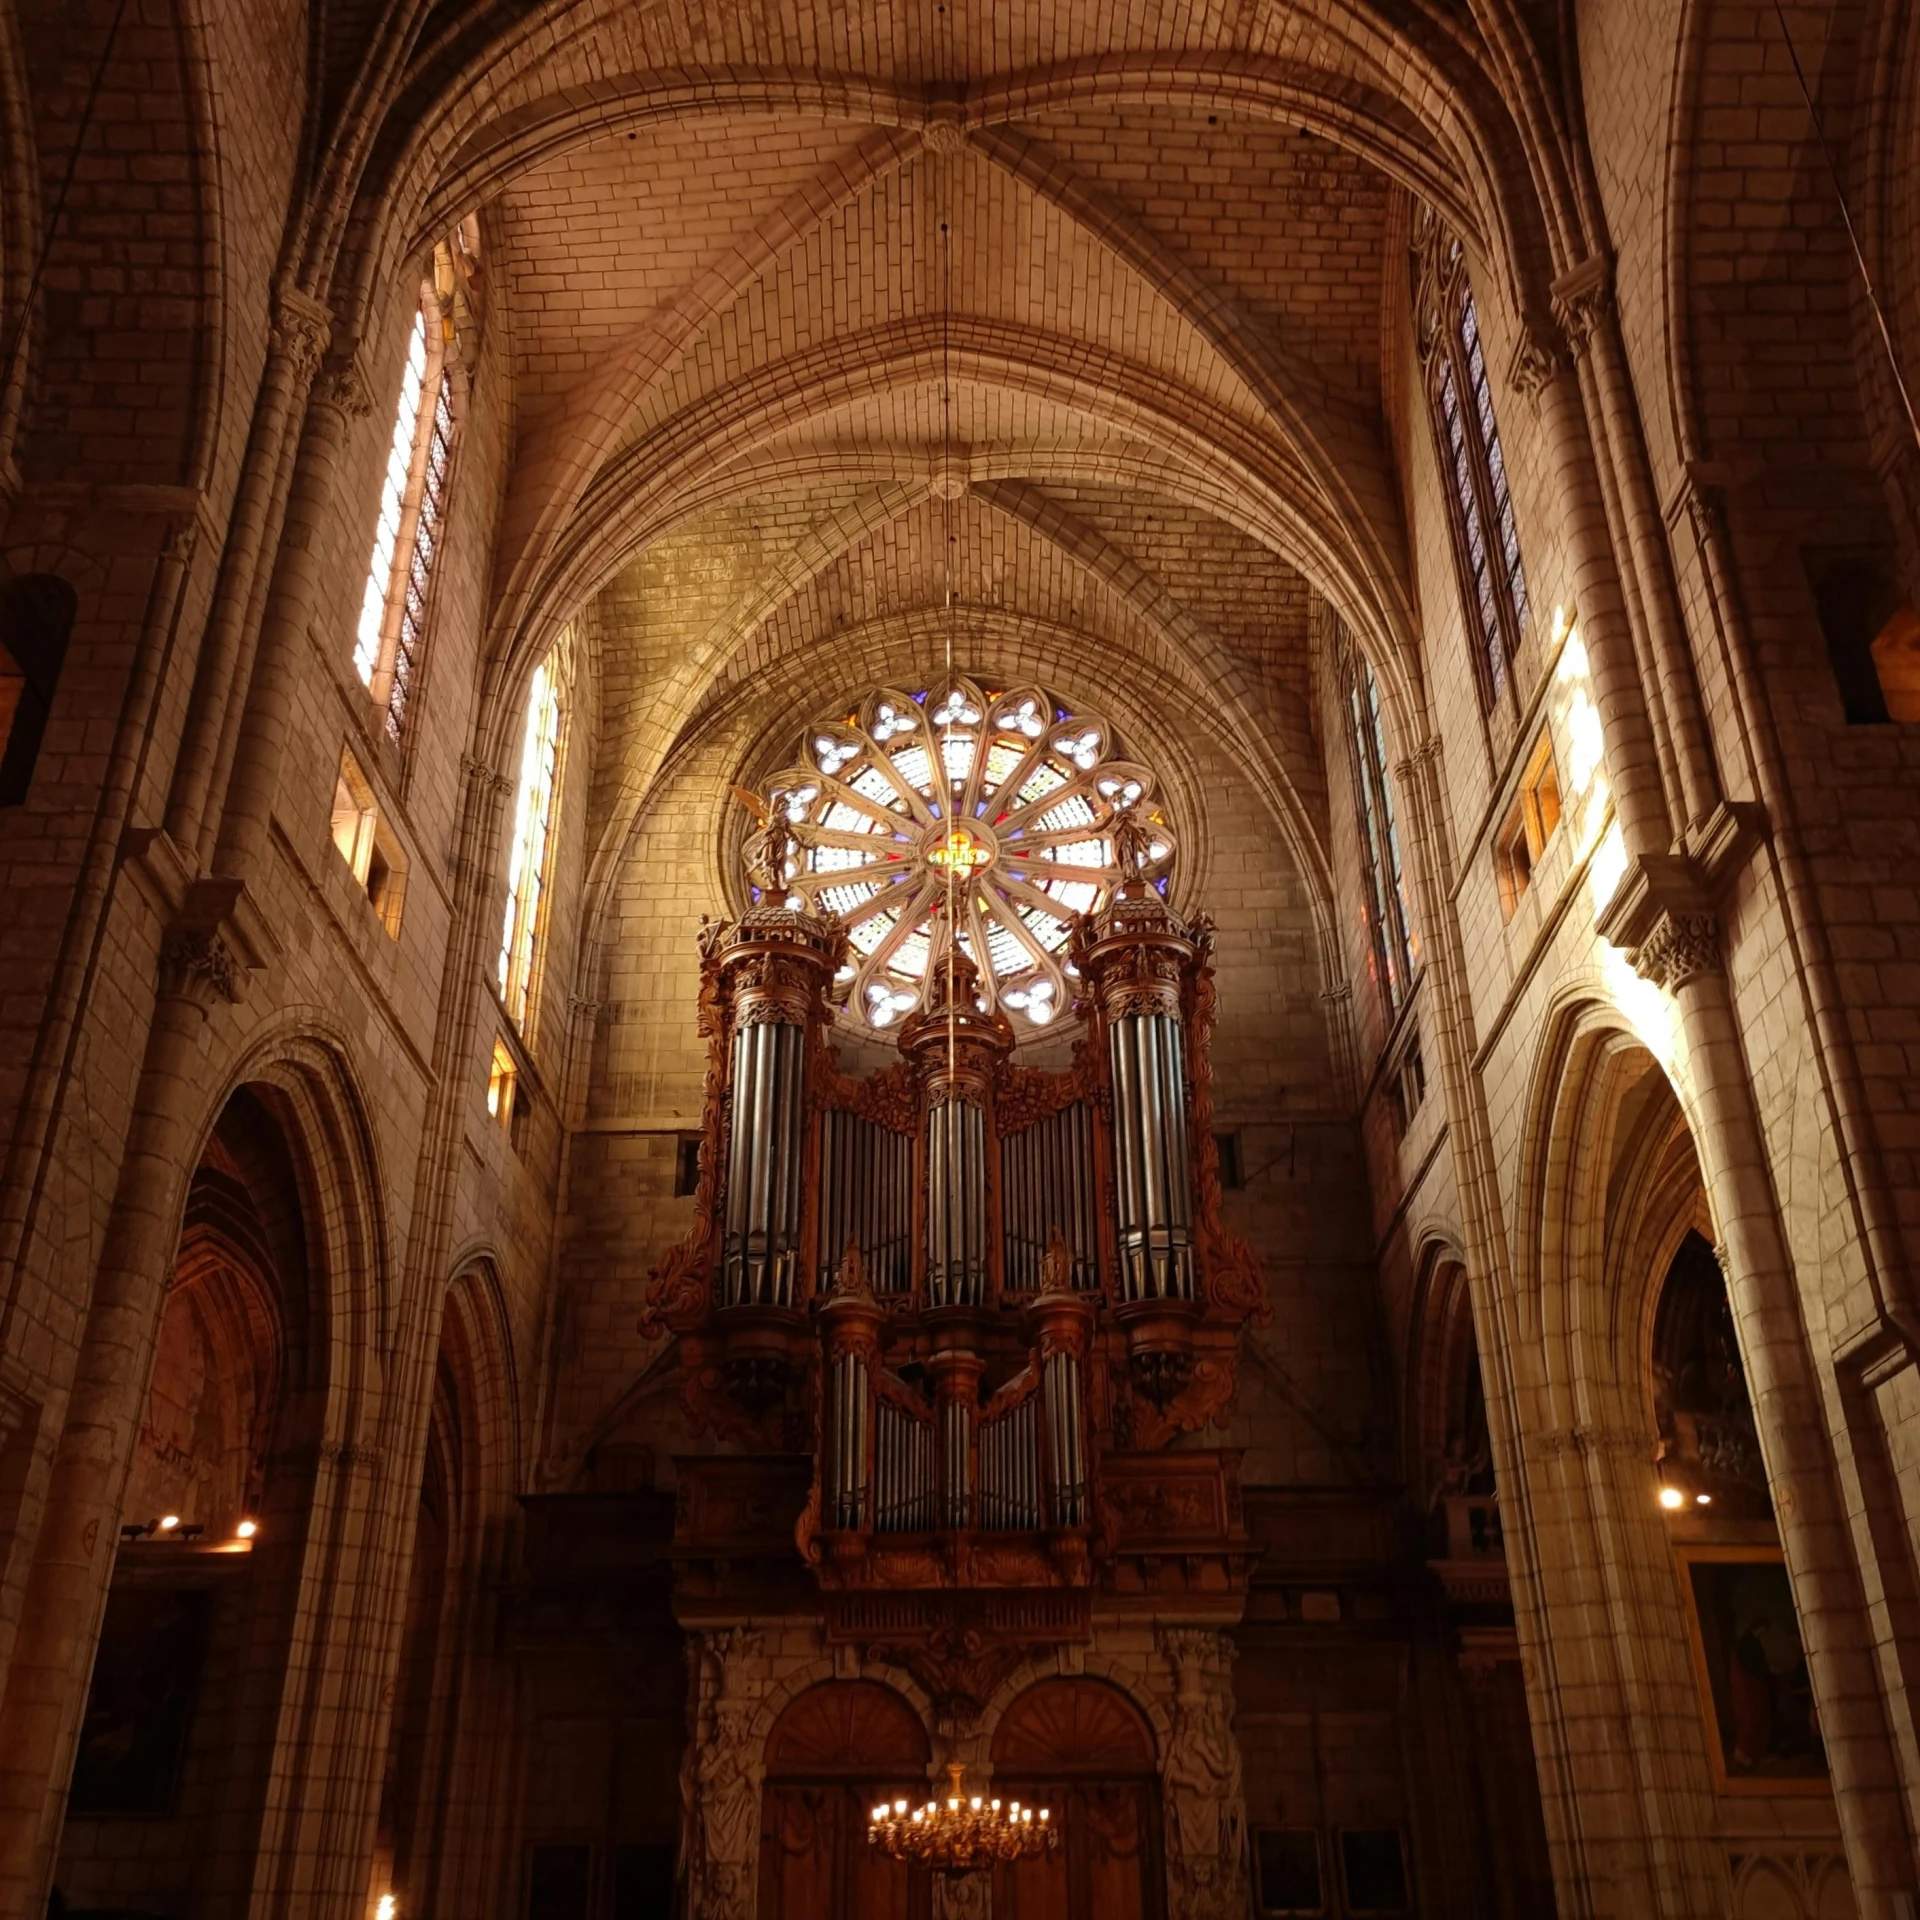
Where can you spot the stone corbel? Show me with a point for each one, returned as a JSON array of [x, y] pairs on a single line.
[[216, 935], [1660, 918]]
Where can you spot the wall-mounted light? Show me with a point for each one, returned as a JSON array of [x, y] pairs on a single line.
[[167, 1522], [246, 1529], [1703, 1499], [388, 1909], [1672, 1499]]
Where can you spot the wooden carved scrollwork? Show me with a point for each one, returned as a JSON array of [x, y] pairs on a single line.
[[1230, 1269], [680, 1288]]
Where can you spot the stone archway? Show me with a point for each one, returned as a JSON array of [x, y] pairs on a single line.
[[833, 1753]]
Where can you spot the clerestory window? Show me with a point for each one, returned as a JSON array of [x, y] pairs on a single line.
[[523, 934], [390, 640], [1486, 537], [1393, 943]]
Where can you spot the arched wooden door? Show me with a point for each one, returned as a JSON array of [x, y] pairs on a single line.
[[837, 1750], [1082, 1749]]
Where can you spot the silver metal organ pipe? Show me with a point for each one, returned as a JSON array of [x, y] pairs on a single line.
[[1155, 1201]]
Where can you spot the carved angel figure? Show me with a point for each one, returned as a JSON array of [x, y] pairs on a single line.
[[1132, 842], [1206, 1816], [768, 853], [1056, 1265]]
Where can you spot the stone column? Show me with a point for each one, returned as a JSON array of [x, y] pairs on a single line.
[[339, 398], [1681, 952], [79, 1528]]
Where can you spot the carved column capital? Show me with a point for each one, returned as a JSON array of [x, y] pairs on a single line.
[[302, 327], [342, 386], [196, 964], [484, 777], [1582, 300], [1538, 354], [1681, 947]]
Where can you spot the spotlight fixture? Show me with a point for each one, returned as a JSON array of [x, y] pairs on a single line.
[[1703, 1499], [136, 1530], [388, 1909], [194, 1531], [1672, 1499], [167, 1522], [246, 1529]]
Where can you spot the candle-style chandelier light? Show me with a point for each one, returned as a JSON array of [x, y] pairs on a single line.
[[960, 1833]]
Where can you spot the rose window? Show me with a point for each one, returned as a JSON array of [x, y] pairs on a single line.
[[993, 811]]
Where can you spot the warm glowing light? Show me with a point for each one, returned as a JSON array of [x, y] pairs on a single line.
[[169, 1522], [247, 1529], [960, 1833], [387, 1908], [960, 851], [1671, 1498], [1703, 1499]]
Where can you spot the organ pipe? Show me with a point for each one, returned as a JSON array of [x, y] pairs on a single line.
[[1155, 1197], [763, 1162]]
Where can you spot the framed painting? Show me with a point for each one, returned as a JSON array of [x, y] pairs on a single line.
[[1763, 1729], [140, 1705]]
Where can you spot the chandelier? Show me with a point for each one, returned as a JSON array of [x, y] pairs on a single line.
[[961, 1833]]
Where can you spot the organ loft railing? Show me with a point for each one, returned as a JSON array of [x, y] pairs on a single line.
[[959, 1282]]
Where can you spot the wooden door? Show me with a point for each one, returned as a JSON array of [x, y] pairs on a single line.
[[1107, 1866], [1082, 1750], [836, 1752]]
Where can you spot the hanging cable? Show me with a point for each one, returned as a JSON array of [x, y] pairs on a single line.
[[1846, 218]]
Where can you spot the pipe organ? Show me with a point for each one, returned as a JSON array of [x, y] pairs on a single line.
[[959, 1283]]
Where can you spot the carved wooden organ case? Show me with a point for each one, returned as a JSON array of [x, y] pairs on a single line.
[[966, 1287]]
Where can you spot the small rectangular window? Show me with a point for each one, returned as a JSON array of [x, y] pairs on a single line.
[[686, 1166], [1226, 1150], [1373, 1866], [1528, 827], [1871, 633], [1287, 1868], [501, 1081], [643, 1883], [360, 837]]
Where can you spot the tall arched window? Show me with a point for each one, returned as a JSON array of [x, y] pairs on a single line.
[[413, 504], [523, 934], [1395, 946], [1486, 540]]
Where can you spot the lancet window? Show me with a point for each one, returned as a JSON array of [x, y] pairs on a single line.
[[406, 540], [1393, 944], [1486, 538], [523, 933], [1004, 813]]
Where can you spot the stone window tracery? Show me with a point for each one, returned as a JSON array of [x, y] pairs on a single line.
[[1014, 808], [1486, 537], [406, 539], [1394, 946], [523, 933]]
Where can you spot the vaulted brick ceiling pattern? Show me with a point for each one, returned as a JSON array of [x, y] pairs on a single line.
[[742, 355]]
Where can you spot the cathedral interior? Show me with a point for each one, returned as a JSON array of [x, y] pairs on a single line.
[[959, 959]]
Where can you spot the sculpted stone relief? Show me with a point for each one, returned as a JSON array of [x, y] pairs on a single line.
[[1200, 1774], [720, 1780]]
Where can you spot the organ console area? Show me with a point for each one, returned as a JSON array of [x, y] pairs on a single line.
[[987, 1308]]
